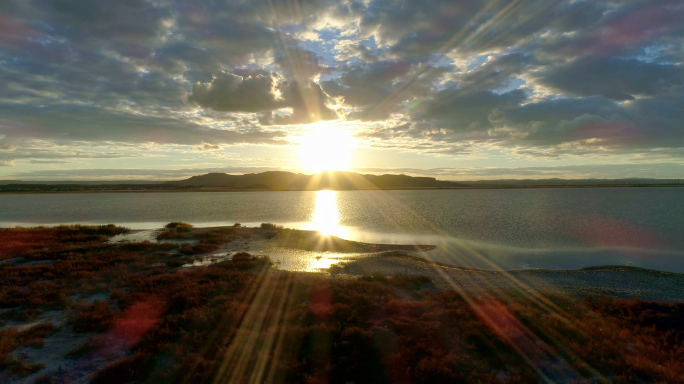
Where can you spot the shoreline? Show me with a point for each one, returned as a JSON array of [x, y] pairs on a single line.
[[348, 259], [616, 281], [201, 189], [307, 241], [311, 253]]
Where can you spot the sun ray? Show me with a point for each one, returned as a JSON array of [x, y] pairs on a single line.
[[327, 147]]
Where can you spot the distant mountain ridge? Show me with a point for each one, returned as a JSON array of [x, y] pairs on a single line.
[[281, 180], [284, 181]]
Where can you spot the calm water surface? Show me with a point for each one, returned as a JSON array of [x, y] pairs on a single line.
[[510, 229]]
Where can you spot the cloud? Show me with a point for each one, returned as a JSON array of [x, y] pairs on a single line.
[[6, 163], [587, 171], [462, 110], [228, 92], [366, 84], [376, 90], [533, 78], [72, 123], [613, 171], [49, 162], [42, 153], [618, 28], [497, 72], [615, 78], [151, 174], [348, 49], [301, 65], [308, 103], [204, 147]]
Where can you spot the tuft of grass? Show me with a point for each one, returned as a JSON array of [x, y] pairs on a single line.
[[10, 339], [84, 349], [198, 249], [180, 227], [242, 256], [14, 365], [134, 369], [183, 228], [174, 224], [175, 263], [95, 317], [270, 226], [170, 235]]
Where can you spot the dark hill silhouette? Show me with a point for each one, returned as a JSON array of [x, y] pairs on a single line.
[[280, 180], [257, 187]]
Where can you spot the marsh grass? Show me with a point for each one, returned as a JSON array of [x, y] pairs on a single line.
[[177, 325], [180, 227]]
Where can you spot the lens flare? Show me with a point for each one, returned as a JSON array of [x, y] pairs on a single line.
[[326, 148]]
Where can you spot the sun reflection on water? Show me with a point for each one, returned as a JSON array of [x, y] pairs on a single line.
[[326, 215], [324, 262]]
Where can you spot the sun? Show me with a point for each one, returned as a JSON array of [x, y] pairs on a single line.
[[326, 147]]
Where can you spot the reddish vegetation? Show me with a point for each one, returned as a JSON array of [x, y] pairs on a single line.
[[20, 241], [96, 317], [198, 248], [10, 339], [172, 235], [239, 321], [179, 227]]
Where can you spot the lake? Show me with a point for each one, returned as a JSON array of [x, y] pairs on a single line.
[[484, 228]]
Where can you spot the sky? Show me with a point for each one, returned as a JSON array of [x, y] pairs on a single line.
[[455, 89]]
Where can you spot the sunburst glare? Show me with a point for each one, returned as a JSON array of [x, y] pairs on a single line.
[[326, 148]]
